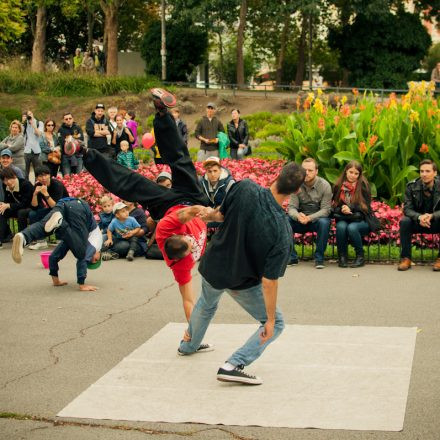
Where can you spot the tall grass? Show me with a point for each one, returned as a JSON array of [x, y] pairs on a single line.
[[71, 84]]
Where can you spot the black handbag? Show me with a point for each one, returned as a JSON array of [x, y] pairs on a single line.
[[356, 216]]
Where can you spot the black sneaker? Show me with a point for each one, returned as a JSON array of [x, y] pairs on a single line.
[[238, 375], [203, 348], [319, 264], [163, 100], [130, 256]]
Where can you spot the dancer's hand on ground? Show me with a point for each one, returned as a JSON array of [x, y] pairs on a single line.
[[87, 288], [57, 282], [186, 336], [267, 332]]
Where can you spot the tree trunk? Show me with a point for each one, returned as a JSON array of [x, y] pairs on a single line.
[[300, 68], [222, 59], [110, 9], [282, 52], [90, 26], [39, 46], [240, 43]]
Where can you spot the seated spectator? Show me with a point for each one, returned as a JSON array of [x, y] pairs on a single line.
[[164, 179], [15, 143], [47, 192], [6, 161], [352, 212], [216, 182], [238, 133], [126, 157], [121, 133], [69, 130], [122, 235], [17, 202], [181, 126], [130, 122], [309, 211], [135, 211], [50, 148], [421, 211], [106, 215]]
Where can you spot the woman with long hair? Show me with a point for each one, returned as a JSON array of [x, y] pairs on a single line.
[[352, 212], [50, 149]]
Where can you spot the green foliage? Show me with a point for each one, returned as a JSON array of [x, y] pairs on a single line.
[[432, 58], [71, 84], [259, 122], [381, 50], [7, 115], [11, 21], [186, 47]]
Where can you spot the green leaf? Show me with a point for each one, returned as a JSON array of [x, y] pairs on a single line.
[[345, 155]]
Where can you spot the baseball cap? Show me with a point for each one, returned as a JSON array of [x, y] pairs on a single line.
[[165, 175], [94, 265], [6, 152], [211, 104], [212, 160], [118, 206], [100, 106]]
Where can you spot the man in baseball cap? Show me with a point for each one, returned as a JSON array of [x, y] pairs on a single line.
[[6, 160]]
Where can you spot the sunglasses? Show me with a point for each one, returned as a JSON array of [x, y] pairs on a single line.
[[50, 125]]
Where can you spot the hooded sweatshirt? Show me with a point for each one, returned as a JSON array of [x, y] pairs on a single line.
[[97, 142], [217, 193]]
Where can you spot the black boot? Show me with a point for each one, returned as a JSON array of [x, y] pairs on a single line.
[[342, 260], [359, 261]]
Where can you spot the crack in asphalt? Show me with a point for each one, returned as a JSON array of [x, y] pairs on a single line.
[[149, 431], [82, 333]]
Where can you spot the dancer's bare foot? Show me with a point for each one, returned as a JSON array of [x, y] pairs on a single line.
[[57, 282], [87, 288]]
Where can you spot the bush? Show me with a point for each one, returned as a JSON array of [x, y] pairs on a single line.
[[71, 83], [7, 115]]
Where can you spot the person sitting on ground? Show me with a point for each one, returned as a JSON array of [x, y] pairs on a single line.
[[17, 202], [70, 130], [122, 239], [106, 216], [238, 133], [126, 157], [135, 211], [121, 133], [50, 148], [6, 160], [181, 126], [309, 211], [206, 132], [421, 211], [130, 122], [15, 143], [47, 192], [74, 224], [352, 212]]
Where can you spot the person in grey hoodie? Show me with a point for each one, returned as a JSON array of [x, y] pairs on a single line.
[[15, 143]]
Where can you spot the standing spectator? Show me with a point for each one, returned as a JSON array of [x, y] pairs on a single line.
[[309, 211], [112, 113], [130, 122], [206, 133], [87, 64], [126, 157], [99, 59], [77, 59], [97, 128], [32, 130], [435, 76], [15, 143], [17, 201], [70, 130], [6, 161], [63, 61], [238, 133], [50, 148], [121, 133], [421, 211], [352, 212], [181, 126]]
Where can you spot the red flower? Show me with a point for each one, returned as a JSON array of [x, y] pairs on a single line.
[[424, 149]]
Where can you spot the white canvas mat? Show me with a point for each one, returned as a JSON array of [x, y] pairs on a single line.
[[325, 377]]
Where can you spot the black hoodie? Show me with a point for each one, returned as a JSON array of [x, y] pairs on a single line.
[[97, 142]]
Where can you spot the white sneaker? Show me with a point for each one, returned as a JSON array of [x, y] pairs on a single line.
[[54, 222], [39, 245], [17, 247]]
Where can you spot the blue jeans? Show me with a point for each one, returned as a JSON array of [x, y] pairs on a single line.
[[67, 168], [238, 153], [321, 226], [354, 232], [252, 301], [58, 254], [38, 214]]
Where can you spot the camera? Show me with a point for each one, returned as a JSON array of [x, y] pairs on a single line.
[[29, 118]]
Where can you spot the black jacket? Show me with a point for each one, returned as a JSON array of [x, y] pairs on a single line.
[[65, 130], [217, 196], [239, 135], [183, 130], [98, 143], [413, 206], [22, 198], [56, 191]]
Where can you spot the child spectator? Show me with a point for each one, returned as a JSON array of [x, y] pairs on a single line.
[[123, 228], [135, 211], [106, 215], [131, 123], [126, 157]]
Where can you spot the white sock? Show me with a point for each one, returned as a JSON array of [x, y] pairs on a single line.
[[227, 366]]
